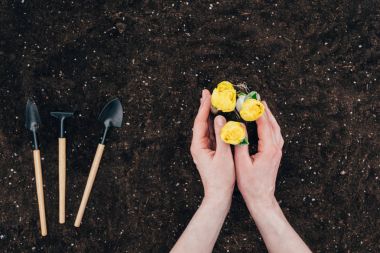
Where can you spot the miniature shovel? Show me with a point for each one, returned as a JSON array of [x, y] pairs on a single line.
[[111, 116], [62, 162], [32, 123]]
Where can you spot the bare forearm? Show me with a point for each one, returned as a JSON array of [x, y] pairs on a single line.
[[203, 229], [279, 236]]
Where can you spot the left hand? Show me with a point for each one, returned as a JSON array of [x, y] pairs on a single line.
[[215, 166]]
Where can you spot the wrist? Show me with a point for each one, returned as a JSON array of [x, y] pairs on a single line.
[[218, 195], [220, 201], [257, 207]]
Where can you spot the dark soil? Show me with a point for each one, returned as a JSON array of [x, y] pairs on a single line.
[[315, 63]]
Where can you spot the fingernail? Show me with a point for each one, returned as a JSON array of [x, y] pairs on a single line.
[[220, 120], [203, 96], [203, 93]]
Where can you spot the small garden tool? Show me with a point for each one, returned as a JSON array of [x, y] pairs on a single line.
[[32, 122], [62, 162], [111, 116]]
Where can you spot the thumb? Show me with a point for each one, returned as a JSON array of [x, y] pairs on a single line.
[[221, 146], [241, 154]]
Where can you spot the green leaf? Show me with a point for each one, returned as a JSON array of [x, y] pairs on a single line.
[[252, 94], [244, 141]]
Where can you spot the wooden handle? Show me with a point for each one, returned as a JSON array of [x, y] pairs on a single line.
[[40, 190], [62, 178], [90, 182]]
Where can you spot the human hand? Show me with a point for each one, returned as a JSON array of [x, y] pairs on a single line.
[[256, 178], [215, 165], [256, 174]]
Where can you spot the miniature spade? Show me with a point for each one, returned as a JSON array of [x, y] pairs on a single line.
[[62, 162], [32, 123], [111, 116]]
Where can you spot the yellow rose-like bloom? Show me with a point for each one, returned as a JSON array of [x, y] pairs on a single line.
[[251, 109], [233, 133], [223, 97]]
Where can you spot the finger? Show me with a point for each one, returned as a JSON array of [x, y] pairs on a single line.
[[200, 128], [221, 146], [274, 129], [275, 126], [241, 153], [264, 132]]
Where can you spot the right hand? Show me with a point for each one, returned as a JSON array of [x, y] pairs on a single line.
[[256, 174]]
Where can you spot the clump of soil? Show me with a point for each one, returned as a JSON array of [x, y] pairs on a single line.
[[316, 64]]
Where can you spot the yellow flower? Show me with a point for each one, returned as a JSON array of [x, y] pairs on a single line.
[[233, 133], [223, 97], [251, 109]]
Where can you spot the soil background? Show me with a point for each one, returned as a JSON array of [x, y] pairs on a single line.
[[316, 63]]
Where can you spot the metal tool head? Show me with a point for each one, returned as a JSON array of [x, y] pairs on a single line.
[[61, 116], [32, 117], [112, 114], [32, 121]]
